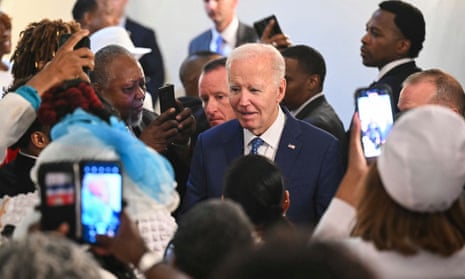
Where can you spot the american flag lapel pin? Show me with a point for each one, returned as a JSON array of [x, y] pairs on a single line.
[[291, 146]]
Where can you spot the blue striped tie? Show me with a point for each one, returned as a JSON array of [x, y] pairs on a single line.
[[256, 143]]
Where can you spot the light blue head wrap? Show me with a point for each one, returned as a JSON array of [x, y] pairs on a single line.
[[150, 171]]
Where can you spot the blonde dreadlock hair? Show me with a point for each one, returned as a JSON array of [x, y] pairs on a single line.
[[37, 45]]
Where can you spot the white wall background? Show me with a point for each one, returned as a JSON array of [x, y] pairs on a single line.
[[334, 27]]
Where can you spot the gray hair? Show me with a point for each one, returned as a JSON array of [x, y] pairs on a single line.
[[101, 73], [253, 50], [45, 256]]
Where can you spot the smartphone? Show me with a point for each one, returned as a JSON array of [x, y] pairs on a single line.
[[166, 97], [375, 110], [260, 26], [84, 42], [101, 199], [59, 199]]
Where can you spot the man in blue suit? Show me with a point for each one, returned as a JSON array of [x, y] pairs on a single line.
[[309, 158], [227, 32]]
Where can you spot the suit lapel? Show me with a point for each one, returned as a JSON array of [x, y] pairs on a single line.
[[289, 145], [233, 147]]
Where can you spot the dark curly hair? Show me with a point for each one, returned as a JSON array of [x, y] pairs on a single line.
[[37, 45], [64, 99]]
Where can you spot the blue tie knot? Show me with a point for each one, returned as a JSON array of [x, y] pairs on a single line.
[[256, 143]]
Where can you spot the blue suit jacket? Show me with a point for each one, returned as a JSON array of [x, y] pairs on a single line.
[[309, 158], [245, 34], [152, 62]]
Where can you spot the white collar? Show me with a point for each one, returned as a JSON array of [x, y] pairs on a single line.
[[228, 34], [271, 137], [122, 21], [391, 65], [299, 109], [28, 155]]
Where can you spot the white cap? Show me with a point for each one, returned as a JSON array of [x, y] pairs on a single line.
[[422, 165], [115, 35]]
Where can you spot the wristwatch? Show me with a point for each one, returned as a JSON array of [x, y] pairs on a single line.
[[148, 260]]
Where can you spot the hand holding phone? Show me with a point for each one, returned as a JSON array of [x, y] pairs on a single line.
[[58, 192], [167, 99], [83, 43], [101, 199], [376, 115], [260, 26], [86, 195]]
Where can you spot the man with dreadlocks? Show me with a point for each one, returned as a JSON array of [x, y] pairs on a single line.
[[38, 65]]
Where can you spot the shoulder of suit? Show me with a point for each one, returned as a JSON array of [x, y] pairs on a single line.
[[311, 131], [225, 129], [132, 24], [201, 36], [245, 25]]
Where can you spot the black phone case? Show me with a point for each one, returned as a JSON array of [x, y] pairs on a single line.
[[260, 26], [83, 43], [54, 215], [166, 96]]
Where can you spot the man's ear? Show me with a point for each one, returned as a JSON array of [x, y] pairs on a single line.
[[40, 139], [313, 83], [281, 90], [286, 202], [86, 20], [403, 47]]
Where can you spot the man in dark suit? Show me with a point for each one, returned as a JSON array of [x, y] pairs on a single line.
[[142, 36], [394, 37], [227, 33], [305, 76], [309, 158]]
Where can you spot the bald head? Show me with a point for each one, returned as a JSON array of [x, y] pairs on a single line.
[[432, 87]]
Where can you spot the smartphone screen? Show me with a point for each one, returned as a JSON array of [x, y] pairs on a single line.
[[57, 182], [101, 199], [167, 99], [261, 25], [374, 108]]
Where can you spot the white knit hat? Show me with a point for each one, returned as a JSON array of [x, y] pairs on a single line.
[[422, 165], [115, 35]]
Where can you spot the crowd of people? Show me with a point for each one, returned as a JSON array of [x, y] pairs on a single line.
[[250, 175]]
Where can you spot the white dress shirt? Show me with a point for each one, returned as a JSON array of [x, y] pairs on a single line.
[[271, 138], [391, 65], [229, 37]]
